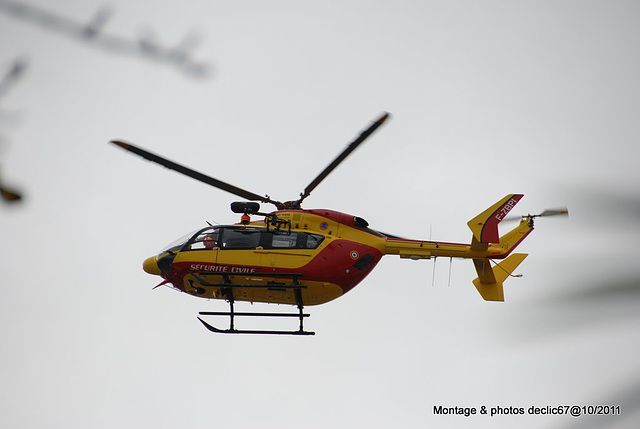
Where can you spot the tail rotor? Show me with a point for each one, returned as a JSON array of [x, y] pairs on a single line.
[[562, 211]]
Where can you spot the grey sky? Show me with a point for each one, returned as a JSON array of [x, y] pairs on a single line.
[[487, 98]]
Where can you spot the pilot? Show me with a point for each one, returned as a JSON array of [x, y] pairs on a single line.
[[209, 242]]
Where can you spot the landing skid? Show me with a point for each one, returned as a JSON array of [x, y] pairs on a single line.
[[232, 314], [252, 331]]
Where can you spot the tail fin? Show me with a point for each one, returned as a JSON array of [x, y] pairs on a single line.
[[485, 231], [490, 279], [485, 225]]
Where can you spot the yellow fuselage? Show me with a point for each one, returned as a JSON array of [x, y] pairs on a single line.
[[325, 254]]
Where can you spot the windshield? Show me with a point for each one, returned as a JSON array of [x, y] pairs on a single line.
[[196, 239]]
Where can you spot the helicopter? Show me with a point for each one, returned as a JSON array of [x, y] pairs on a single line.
[[306, 257]]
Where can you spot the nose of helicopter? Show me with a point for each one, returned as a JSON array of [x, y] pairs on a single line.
[[150, 265]]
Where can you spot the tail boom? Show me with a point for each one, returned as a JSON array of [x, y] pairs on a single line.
[[486, 245]]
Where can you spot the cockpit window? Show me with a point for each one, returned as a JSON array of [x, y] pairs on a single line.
[[207, 239], [177, 245], [198, 239]]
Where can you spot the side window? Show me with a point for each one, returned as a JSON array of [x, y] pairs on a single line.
[[240, 239], [294, 240], [288, 241]]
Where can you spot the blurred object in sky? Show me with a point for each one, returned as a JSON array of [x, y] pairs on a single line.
[[627, 398], [10, 77], [8, 80], [9, 195], [617, 200], [599, 293], [616, 206], [603, 302], [92, 32]]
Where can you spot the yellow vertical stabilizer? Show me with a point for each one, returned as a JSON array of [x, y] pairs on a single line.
[[485, 225], [490, 279]]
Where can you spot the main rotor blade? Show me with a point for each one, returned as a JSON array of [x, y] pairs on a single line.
[[193, 174], [350, 148]]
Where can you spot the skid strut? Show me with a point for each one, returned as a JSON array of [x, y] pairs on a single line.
[[227, 290]]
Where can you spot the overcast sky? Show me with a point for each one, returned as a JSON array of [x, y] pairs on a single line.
[[487, 98]]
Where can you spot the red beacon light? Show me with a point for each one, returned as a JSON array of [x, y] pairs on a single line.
[[245, 219]]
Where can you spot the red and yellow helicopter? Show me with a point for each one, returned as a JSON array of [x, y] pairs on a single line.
[[312, 256]]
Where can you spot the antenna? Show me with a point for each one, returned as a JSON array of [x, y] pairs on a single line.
[[433, 277], [502, 268]]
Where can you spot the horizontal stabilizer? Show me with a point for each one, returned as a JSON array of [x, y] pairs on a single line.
[[490, 279]]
